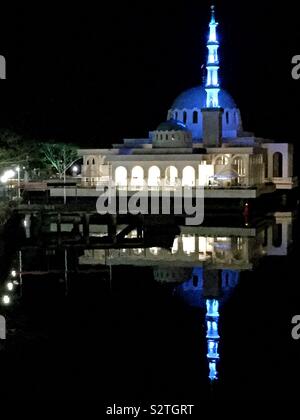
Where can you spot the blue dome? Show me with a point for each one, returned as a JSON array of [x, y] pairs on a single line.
[[196, 98]]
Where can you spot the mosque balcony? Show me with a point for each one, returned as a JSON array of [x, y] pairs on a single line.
[[213, 356], [213, 86], [212, 64], [212, 335], [210, 42]]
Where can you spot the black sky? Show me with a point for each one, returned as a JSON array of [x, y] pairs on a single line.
[[94, 74]]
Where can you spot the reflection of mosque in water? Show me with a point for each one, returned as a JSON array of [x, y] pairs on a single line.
[[216, 247], [208, 290], [204, 266]]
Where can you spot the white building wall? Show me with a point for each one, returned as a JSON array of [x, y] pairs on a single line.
[[286, 150]]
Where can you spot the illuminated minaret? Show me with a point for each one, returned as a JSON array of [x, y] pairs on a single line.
[[212, 336], [212, 67], [212, 113]]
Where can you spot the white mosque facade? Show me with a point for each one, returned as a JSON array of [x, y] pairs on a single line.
[[202, 143]]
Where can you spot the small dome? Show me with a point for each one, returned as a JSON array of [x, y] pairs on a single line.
[[196, 98], [172, 125]]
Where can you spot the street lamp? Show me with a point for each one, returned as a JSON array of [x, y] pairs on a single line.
[[10, 286], [75, 170], [6, 299], [65, 177], [7, 175]]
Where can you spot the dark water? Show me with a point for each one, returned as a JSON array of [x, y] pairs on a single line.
[[131, 325]]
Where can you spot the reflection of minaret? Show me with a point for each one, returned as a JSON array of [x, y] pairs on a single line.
[[212, 336], [209, 289], [212, 290], [216, 283], [212, 284]]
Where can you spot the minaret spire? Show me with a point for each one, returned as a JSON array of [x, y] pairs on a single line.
[[212, 67], [212, 113]]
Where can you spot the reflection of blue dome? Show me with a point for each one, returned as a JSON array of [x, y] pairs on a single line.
[[193, 291], [196, 98]]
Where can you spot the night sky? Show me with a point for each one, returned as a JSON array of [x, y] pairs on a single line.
[[94, 75]]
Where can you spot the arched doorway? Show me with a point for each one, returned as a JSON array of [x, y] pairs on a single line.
[[222, 160], [154, 176], [171, 176], [121, 176], [277, 235], [137, 176], [188, 177], [277, 165], [240, 168]]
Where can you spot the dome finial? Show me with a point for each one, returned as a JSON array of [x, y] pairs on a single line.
[[212, 13]]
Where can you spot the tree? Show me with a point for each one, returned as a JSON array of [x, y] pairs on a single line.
[[14, 149], [59, 155]]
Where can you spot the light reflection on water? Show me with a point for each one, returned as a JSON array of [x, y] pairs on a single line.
[[203, 265], [212, 335]]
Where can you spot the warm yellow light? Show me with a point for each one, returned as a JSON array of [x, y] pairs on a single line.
[[188, 176], [206, 174], [10, 286], [154, 250], [121, 176], [137, 176], [175, 246], [7, 175], [188, 244], [154, 176], [6, 300]]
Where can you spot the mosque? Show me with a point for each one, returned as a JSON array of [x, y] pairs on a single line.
[[202, 143]]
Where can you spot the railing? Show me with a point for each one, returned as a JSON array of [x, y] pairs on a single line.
[[136, 188]]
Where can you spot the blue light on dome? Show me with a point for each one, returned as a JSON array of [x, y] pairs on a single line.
[[195, 98]]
